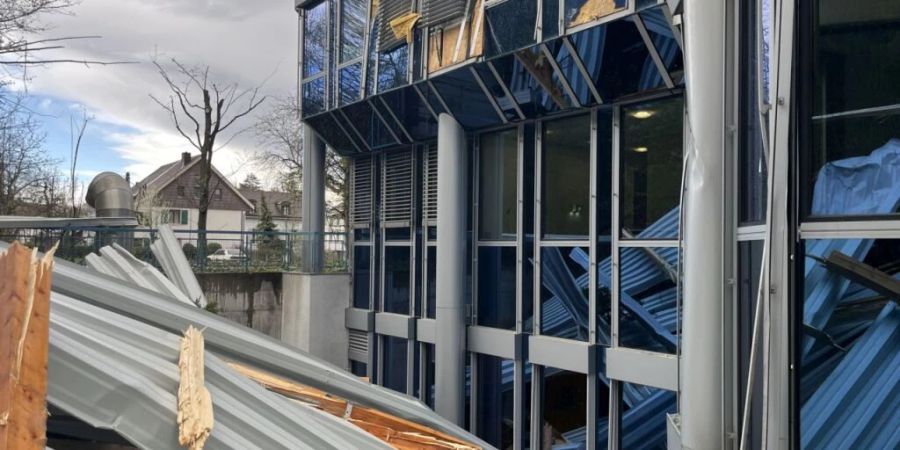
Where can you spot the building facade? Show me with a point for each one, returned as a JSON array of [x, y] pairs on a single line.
[[170, 195], [562, 211]]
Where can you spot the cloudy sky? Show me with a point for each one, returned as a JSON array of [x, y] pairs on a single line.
[[248, 42]]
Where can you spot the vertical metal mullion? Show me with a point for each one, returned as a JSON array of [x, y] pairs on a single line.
[[301, 36], [537, 405], [518, 404], [615, 388], [414, 199], [592, 234], [536, 300], [411, 366], [476, 189], [520, 225], [473, 393]]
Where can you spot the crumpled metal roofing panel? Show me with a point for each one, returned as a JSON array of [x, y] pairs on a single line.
[[120, 374], [237, 343]]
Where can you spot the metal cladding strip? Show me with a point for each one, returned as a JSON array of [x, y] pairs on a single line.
[[45, 222], [117, 373], [180, 269], [241, 344], [154, 278]]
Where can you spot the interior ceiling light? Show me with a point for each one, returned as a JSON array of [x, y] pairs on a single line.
[[643, 114], [640, 149]]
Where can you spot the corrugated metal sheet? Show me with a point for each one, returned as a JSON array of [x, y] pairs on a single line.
[[118, 373], [7, 222], [232, 342], [120, 263]]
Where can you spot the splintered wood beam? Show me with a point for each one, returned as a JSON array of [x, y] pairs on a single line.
[[863, 274], [399, 433], [24, 337]]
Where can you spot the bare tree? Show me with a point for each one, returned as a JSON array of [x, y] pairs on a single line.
[[151, 207], [26, 168], [76, 132], [201, 110], [279, 133]]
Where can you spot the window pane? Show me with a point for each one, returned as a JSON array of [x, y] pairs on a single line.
[[392, 68], [314, 96], [431, 282], [497, 287], [648, 314], [650, 174], [349, 84], [429, 375], [751, 159], [362, 271], [510, 26], [854, 70], [565, 409], [353, 22], [495, 401], [643, 411], [566, 178], [396, 279], [602, 403], [315, 39], [564, 295], [749, 264], [394, 363], [498, 156], [850, 344]]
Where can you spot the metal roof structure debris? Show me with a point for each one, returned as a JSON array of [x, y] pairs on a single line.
[[176, 266], [9, 222]]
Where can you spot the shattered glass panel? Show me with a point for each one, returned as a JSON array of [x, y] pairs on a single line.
[[510, 26]]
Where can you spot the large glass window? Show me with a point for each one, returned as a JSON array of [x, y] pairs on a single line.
[[749, 264], [850, 343], [497, 181], [395, 355], [429, 375], [353, 23], [643, 410], [362, 273], [851, 135], [497, 287], [494, 411], [564, 292], [315, 40], [648, 298], [392, 68], [650, 169], [565, 178], [396, 279], [564, 417], [752, 172], [431, 281]]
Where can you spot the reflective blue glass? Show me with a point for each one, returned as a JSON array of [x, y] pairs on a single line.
[[849, 344], [431, 282], [348, 84], [603, 390], [429, 375], [466, 100], [393, 365], [358, 368], [362, 273], [506, 104], [497, 287], [498, 156], [564, 292], [315, 40], [494, 409], [353, 25], [643, 410], [313, 96], [392, 68], [550, 19], [369, 126], [331, 133], [664, 41], [396, 279], [648, 299], [412, 112], [569, 69]]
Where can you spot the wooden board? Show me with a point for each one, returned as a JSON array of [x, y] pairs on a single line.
[[24, 337]]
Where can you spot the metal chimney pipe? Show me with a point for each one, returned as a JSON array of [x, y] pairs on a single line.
[[110, 195]]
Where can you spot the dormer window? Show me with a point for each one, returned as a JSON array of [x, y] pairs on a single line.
[[285, 209]]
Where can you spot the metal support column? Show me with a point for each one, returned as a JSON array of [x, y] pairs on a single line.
[[313, 201], [450, 326], [703, 361]]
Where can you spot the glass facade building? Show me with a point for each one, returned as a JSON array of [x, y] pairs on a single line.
[[578, 141]]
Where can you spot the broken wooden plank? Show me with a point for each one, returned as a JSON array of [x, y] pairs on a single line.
[[24, 337], [195, 412], [399, 433]]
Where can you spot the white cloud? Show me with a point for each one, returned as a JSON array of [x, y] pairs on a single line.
[[243, 42]]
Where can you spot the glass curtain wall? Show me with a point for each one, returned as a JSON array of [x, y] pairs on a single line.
[[316, 57], [847, 323]]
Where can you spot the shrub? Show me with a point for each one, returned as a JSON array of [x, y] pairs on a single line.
[[213, 247], [190, 251]]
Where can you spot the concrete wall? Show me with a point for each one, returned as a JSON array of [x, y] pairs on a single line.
[[303, 310], [251, 299], [313, 318]]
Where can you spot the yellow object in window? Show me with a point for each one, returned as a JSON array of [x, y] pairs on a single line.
[[402, 26]]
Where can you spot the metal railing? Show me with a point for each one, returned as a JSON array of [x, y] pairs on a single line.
[[226, 251]]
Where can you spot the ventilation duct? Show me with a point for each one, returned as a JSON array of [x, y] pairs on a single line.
[[110, 195]]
